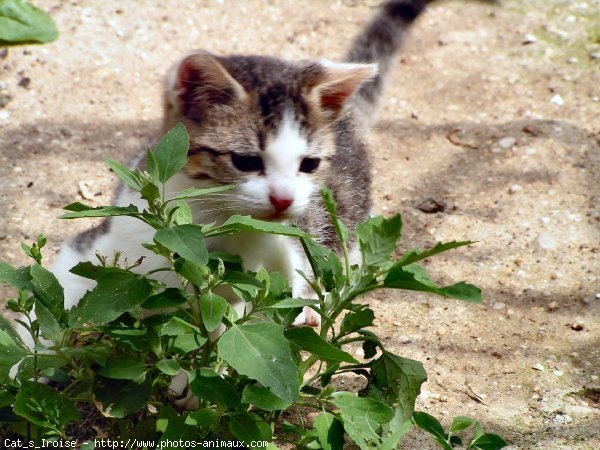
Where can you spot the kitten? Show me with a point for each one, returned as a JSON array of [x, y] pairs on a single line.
[[277, 130]]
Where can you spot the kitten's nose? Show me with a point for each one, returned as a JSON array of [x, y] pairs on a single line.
[[281, 204]]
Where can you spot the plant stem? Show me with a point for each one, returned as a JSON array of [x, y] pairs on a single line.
[[162, 269]]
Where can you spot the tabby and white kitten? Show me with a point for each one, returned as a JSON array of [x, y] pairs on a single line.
[[277, 130]]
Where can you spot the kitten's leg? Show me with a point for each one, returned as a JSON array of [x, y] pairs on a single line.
[[308, 316], [74, 286]]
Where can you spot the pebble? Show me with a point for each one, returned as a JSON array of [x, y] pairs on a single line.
[[18, 169], [563, 418], [4, 115], [546, 242], [577, 325], [532, 129], [538, 366], [510, 312], [597, 296], [4, 99], [359, 352], [431, 206], [440, 331], [84, 190], [498, 306], [403, 339], [25, 82], [515, 188], [529, 39], [553, 306], [558, 373], [557, 100], [507, 142]]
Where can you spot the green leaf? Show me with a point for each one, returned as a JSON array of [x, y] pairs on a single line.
[[187, 343], [78, 210], [150, 193], [362, 417], [30, 363], [393, 439], [331, 206], [378, 238], [121, 398], [246, 427], [19, 278], [176, 326], [123, 367], [195, 273], [182, 213], [88, 270], [21, 23], [353, 406], [89, 354], [325, 264], [478, 432], [44, 406], [117, 292], [175, 427], [208, 385], [307, 339], [49, 327], [461, 423], [399, 380], [330, 432], [238, 223], [294, 303], [171, 152], [168, 367], [261, 352], [130, 177], [430, 424], [417, 254], [10, 354], [243, 282], [414, 278], [488, 441], [195, 192], [204, 418], [48, 290], [169, 298], [213, 307], [152, 166], [263, 398], [354, 321], [186, 240]]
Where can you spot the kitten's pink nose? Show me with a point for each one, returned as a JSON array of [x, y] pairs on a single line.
[[281, 204]]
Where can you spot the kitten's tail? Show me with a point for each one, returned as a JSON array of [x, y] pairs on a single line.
[[378, 43]]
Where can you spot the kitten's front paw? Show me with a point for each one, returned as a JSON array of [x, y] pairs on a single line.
[[309, 317], [181, 394]]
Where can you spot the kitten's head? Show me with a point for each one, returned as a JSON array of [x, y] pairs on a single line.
[[263, 124]]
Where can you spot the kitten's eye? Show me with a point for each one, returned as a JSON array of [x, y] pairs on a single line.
[[310, 165], [247, 163]]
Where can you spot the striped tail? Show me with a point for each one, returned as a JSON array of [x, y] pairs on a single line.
[[378, 43]]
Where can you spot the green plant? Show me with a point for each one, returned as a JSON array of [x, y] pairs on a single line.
[[104, 351], [22, 23]]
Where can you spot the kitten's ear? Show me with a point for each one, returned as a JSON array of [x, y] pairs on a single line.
[[198, 81], [330, 85]]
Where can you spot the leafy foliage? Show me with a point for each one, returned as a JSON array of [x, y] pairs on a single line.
[[22, 23], [245, 368]]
